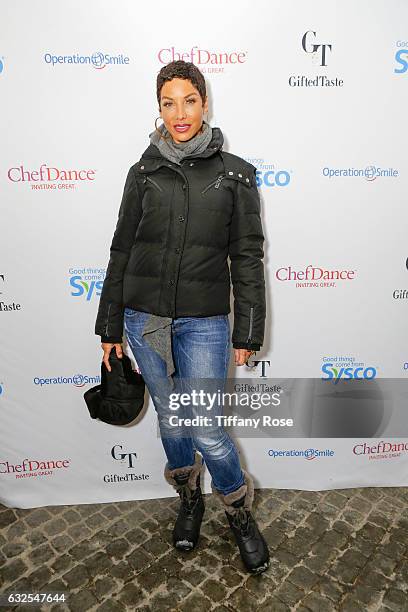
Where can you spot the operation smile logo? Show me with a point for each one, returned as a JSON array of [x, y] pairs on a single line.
[[310, 454], [126, 459], [313, 277], [86, 282], [50, 177], [208, 61], [319, 53], [31, 468], [77, 380], [97, 60], [369, 173]]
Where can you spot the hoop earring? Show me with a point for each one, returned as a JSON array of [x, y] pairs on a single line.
[[157, 129]]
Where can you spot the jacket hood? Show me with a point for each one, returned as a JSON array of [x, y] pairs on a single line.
[[215, 144]]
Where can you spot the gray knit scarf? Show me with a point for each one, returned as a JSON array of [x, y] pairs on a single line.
[[175, 151], [157, 329]]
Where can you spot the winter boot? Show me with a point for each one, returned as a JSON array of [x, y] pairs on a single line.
[[186, 481], [251, 543]]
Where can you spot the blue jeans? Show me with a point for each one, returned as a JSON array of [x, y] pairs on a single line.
[[201, 349]]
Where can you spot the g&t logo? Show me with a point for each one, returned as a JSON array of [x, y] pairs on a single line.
[[118, 455], [309, 46]]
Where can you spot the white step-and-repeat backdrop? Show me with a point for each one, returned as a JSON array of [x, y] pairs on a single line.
[[314, 94]]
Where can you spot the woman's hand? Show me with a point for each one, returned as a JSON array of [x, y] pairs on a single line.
[[242, 356], [107, 347]]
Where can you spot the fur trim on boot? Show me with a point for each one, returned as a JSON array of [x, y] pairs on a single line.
[[246, 489], [193, 471], [186, 481], [251, 543]]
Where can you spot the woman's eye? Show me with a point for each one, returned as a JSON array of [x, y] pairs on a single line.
[[169, 103]]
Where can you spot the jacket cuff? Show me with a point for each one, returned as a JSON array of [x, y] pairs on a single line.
[[111, 339], [250, 346]]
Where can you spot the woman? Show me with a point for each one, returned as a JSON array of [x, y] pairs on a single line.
[[187, 206]]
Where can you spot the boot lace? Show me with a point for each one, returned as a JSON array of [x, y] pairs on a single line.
[[187, 496], [241, 520]]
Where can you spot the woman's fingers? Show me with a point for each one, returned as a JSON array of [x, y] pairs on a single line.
[[241, 356], [106, 360], [107, 347]]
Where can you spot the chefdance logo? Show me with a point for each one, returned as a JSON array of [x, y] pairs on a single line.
[[50, 177], [34, 467], [381, 449], [208, 61], [313, 276]]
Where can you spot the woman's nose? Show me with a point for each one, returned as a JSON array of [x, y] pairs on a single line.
[[181, 112]]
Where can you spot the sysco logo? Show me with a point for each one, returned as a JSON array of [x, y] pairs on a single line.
[[401, 57], [86, 282], [272, 178], [333, 373]]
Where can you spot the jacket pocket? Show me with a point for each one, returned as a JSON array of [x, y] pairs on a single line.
[[153, 182], [214, 184]]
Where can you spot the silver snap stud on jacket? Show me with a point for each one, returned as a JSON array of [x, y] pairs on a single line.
[[230, 173], [240, 175], [247, 180]]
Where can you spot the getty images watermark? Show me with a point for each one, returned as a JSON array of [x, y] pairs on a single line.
[[246, 396], [284, 408]]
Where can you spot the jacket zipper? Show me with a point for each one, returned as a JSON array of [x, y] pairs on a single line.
[[107, 320], [251, 319], [216, 184], [147, 178]]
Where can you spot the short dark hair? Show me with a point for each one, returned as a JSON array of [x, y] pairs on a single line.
[[180, 69]]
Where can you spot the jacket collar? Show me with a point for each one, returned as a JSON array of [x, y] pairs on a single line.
[[152, 158]]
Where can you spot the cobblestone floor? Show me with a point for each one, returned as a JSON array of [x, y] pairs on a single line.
[[331, 550]]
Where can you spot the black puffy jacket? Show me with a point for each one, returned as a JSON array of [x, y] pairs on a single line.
[[176, 227]]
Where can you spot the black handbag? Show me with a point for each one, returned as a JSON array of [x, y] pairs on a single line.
[[119, 399]]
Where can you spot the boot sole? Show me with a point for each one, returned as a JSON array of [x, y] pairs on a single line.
[[184, 545], [260, 569]]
